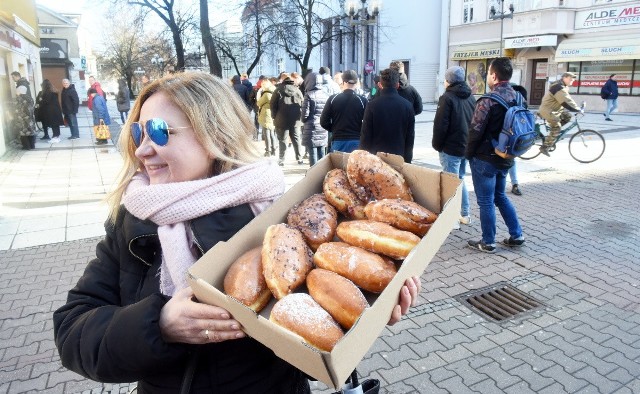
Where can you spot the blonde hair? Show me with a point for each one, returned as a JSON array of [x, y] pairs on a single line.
[[219, 119]]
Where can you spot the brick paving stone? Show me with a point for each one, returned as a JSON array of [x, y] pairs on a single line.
[[631, 352], [603, 367], [592, 376], [81, 386], [33, 384], [400, 354], [534, 380], [428, 363], [469, 375], [501, 378], [503, 337], [565, 334], [487, 386], [455, 385], [397, 340], [622, 360], [505, 360], [519, 388], [372, 363], [525, 328], [569, 364], [568, 382], [452, 339], [422, 384], [440, 374], [448, 326], [622, 375], [530, 357], [480, 345], [396, 374], [534, 343]]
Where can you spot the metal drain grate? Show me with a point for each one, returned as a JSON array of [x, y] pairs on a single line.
[[500, 302]]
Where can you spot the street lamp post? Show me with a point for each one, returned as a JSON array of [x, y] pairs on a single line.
[[363, 18], [493, 14], [159, 61]]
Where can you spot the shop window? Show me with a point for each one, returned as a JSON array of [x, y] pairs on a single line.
[[635, 89], [593, 75], [476, 71], [467, 11]]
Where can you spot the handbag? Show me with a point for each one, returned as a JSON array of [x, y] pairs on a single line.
[[102, 131], [368, 386]]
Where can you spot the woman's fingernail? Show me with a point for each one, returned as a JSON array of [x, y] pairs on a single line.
[[224, 316], [235, 327], [240, 335]]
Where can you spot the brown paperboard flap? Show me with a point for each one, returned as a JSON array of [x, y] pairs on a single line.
[[439, 192]]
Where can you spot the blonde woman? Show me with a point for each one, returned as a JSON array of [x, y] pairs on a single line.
[[191, 178]]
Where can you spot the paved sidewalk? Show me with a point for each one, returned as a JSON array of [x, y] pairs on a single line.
[[581, 259]]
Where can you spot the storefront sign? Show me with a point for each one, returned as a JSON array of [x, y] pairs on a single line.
[[601, 52], [533, 41], [541, 70], [53, 48], [610, 16], [487, 53], [9, 38]]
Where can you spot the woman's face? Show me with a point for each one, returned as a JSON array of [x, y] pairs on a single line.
[[183, 158]]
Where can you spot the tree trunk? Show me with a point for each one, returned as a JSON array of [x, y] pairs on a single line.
[[215, 67]]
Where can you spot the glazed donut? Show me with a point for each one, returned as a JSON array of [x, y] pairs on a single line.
[[302, 315], [367, 270], [286, 259], [338, 192], [315, 218], [371, 178], [401, 214], [378, 237], [337, 295], [245, 282]]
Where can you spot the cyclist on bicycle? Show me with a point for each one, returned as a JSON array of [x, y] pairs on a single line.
[[555, 107]]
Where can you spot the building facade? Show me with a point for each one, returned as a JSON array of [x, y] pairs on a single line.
[[592, 38], [19, 51]]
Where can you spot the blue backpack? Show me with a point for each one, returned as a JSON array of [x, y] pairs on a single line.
[[518, 130]]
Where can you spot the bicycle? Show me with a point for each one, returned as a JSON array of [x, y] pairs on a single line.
[[585, 146]]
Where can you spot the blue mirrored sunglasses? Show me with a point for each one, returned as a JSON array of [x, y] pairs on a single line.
[[157, 129]]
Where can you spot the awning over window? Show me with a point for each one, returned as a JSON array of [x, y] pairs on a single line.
[[488, 50], [614, 47]]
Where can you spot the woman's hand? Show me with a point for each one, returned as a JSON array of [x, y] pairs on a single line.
[[408, 297], [186, 321]]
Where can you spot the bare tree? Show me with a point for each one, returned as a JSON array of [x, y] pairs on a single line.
[[260, 31], [215, 67], [301, 28], [177, 22]]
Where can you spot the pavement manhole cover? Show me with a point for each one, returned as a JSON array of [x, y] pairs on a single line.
[[500, 302]]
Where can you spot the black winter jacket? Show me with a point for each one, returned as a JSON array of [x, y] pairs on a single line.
[[486, 124], [70, 100], [342, 115], [286, 106], [389, 125], [49, 112], [410, 93], [108, 330], [451, 123]]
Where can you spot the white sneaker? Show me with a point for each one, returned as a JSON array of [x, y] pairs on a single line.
[[465, 219], [456, 226], [55, 140]]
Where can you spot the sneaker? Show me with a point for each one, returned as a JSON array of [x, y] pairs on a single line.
[[511, 242], [46, 137], [545, 151], [281, 163], [300, 161], [481, 246], [609, 119], [54, 140], [465, 219], [267, 154], [516, 190], [73, 138], [456, 226]]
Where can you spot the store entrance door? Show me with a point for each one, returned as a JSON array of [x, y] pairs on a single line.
[[538, 81]]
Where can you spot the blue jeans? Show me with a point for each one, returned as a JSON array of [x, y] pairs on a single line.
[[513, 175], [457, 165], [123, 116], [347, 146], [612, 105], [315, 153], [73, 125], [489, 183]]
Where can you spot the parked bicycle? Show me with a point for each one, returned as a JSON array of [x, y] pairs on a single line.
[[585, 145]]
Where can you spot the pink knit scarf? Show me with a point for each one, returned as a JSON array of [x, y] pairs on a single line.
[[171, 205]]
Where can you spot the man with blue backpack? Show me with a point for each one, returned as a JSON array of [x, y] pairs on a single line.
[[488, 168]]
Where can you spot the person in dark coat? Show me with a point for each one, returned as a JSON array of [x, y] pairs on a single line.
[[451, 129], [286, 105], [21, 81], [132, 315], [49, 111], [70, 104], [389, 123], [242, 90], [123, 100], [314, 136], [407, 91], [610, 93], [100, 112]]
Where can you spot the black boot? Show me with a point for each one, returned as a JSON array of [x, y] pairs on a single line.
[[32, 141], [24, 140]]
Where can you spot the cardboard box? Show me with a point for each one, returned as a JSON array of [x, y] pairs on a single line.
[[439, 192]]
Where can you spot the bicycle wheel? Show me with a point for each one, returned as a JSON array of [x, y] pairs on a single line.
[[534, 151], [586, 146]]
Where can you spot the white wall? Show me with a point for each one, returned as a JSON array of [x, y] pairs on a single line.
[[410, 30]]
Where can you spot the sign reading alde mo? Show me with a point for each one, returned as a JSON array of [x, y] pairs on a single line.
[[532, 41]]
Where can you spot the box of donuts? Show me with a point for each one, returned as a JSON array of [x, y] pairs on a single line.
[[316, 276]]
